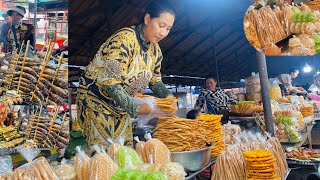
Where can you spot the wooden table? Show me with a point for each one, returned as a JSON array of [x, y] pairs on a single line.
[[305, 138]]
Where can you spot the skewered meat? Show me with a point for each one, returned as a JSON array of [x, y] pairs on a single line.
[[31, 78]]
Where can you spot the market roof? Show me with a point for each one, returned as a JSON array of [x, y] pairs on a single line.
[[205, 33]]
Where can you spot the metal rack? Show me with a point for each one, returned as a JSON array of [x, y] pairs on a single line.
[[194, 174]]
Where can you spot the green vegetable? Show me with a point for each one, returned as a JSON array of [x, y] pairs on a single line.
[[285, 120], [138, 175], [127, 157], [305, 17], [295, 10], [294, 135]]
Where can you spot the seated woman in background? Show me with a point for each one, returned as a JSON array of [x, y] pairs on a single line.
[[216, 99], [193, 114]]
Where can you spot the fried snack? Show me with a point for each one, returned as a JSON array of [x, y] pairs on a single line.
[[275, 147], [285, 113], [214, 125], [307, 111], [167, 105], [102, 167], [155, 151], [229, 165], [82, 165], [275, 92], [250, 30], [260, 164], [269, 29], [294, 42], [140, 149], [246, 109], [65, 172], [313, 5], [272, 50], [113, 150], [173, 170], [180, 134], [283, 100]]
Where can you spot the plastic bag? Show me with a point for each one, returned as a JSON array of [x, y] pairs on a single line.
[[293, 134], [6, 168], [156, 151], [101, 165], [65, 171], [137, 175], [173, 170], [127, 157], [113, 149], [140, 149], [36, 169], [82, 165], [144, 119]]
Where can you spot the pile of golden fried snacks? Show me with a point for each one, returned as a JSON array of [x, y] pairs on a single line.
[[214, 125], [306, 111], [260, 164], [167, 105]]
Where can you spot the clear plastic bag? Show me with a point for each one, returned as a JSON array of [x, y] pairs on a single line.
[[127, 157], [156, 151], [135, 175], [34, 169], [140, 149], [101, 165], [6, 168], [65, 171], [114, 148], [173, 170], [293, 134], [82, 164]]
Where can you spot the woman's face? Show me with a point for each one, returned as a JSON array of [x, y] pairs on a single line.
[[16, 16], [294, 74], [158, 28], [211, 84]]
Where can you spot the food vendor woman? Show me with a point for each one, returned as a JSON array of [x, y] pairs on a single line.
[[285, 81], [127, 63]]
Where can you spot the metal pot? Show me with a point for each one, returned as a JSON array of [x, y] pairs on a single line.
[[192, 160]]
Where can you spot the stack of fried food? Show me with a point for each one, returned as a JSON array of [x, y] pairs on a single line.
[[166, 105], [260, 164], [152, 151], [306, 111], [230, 163], [214, 125], [246, 109], [304, 153], [180, 134], [283, 100], [313, 5]]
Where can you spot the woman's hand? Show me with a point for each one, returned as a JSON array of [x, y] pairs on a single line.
[[144, 109]]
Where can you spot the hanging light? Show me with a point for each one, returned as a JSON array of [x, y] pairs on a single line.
[[318, 72], [307, 68]]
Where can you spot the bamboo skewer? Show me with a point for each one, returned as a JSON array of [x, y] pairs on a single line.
[[52, 122], [44, 66], [63, 120], [57, 71], [22, 67], [39, 116], [14, 68]]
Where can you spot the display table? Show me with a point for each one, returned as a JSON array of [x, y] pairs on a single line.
[[305, 138]]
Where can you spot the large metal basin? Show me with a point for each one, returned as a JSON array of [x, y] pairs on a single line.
[[192, 160]]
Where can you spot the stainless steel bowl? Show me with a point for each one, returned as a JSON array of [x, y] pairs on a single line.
[[192, 160]]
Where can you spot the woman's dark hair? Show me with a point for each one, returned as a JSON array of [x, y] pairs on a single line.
[[192, 114], [155, 8], [292, 70], [211, 77]]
